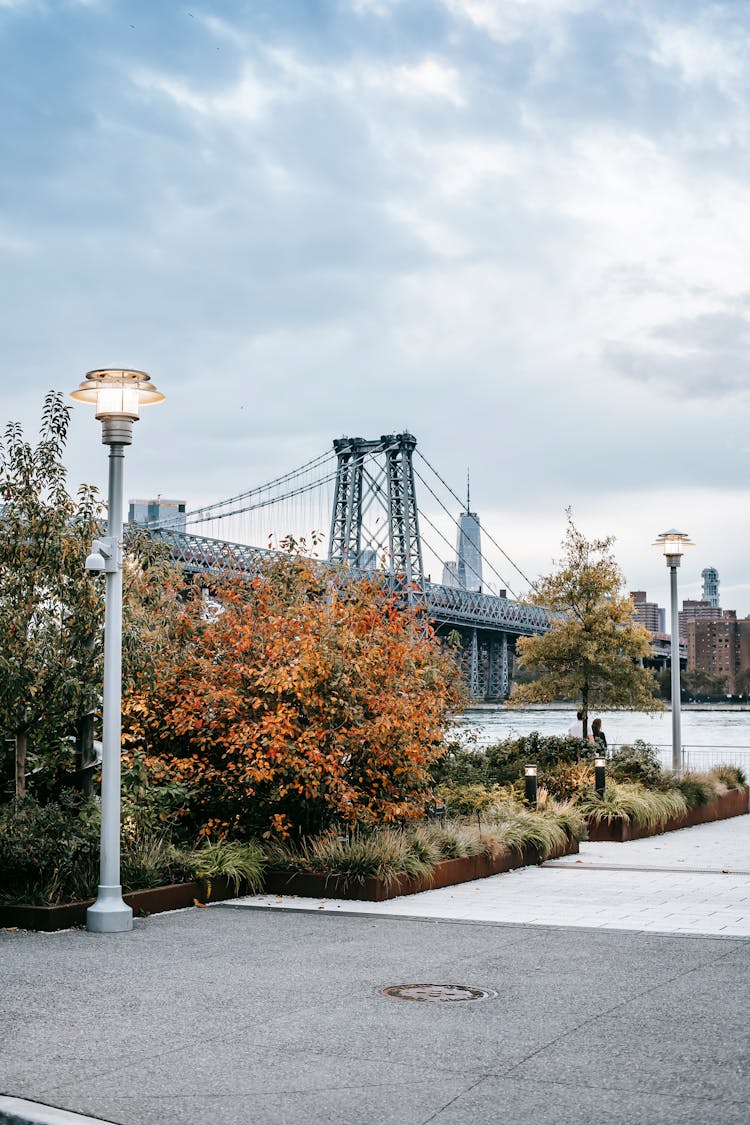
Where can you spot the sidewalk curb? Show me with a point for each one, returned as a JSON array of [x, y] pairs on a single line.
[[18, 1111]]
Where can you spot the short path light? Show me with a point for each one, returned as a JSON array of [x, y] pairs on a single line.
[[118, 396], [600, 776], [530, 785], [672, 544]]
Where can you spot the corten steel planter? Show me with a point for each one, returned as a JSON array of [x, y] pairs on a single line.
[[174, 897], [445, 874], [733, 803]]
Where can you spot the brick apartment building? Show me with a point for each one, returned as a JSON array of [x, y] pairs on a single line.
[[719, 646]]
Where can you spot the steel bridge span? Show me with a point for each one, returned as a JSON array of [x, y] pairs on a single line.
[[375, 526], [488, 624]]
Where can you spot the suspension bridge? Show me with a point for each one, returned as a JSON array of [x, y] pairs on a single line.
[[364, 492]]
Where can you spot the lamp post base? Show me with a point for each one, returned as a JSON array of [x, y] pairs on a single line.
[[109, 914]]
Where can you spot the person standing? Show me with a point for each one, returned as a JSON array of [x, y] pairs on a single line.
[[600, 737], [575, 730]]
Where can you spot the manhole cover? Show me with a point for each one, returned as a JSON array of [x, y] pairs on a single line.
[[447, 993]]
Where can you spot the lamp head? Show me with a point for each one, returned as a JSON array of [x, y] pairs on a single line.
[[672, 545], [117, 394]]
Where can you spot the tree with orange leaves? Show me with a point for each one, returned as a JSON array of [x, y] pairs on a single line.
[[299, 703]]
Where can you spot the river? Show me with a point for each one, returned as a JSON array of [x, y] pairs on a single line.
[[708, 736]]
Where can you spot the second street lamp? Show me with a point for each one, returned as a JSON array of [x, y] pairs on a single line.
[[118, 395], [672, 544]]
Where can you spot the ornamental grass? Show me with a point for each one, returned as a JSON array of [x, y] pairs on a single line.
[[632, 803], [414, 850]]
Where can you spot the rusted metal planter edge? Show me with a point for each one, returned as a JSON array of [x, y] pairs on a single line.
[[445, 874], [176, 896], [726, 805]]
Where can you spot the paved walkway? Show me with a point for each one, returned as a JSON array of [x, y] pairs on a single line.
[[696, 881], [237, 1015]]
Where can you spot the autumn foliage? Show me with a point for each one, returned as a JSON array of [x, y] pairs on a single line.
[[293, 704]]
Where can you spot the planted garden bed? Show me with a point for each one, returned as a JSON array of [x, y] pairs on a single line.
[[447, 873], [154, 901], [621, 829]]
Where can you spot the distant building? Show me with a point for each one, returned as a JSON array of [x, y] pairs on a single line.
[[719, 646], [158, 513], [648, 614], [450, 574], [368, 559], [693, 610], [710, 593], [469, 551]]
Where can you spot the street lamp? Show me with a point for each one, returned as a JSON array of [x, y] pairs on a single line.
[[118, 396], [672, 544]]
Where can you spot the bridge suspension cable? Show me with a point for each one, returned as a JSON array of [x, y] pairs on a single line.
[[217, 510], [484, 530]]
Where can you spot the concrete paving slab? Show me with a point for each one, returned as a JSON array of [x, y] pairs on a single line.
[[694, 881]]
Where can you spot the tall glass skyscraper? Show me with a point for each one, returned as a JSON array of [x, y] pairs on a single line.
[[469, 551]]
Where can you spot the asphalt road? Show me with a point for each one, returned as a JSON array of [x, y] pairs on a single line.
[[233, 1016]]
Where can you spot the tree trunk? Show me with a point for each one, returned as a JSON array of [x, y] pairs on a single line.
[[20, 764]]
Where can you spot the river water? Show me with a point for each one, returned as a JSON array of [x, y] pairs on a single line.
[[709, 737]]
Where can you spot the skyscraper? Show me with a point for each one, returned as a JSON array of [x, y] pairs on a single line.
[[469, 546], [710, 576]]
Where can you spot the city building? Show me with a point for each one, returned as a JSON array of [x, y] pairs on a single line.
[[465, 572], [648, 614], [720, 647], [158, 513], [469, 551], [710, 576], [450, 574], [697, 610]]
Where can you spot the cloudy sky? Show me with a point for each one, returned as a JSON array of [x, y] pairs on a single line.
[[517, 227]]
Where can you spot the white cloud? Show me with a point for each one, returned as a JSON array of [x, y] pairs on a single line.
[[246, 100]]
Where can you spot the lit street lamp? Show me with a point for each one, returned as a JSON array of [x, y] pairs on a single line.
[[672, 544], [118, 396]]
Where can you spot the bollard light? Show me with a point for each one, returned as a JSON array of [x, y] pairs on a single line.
[[118, 394], [672, 544], [600, 776], [530, 785]]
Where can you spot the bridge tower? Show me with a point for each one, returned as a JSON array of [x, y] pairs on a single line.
[[375, 522]]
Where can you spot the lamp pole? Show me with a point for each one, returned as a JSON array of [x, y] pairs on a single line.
[[673, 543], [118, 395]]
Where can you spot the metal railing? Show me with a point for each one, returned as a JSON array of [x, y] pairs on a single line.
[[701, 756]]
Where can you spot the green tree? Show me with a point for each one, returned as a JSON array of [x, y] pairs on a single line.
[[51, 612], [742, 682], [593, 648], [696, 682]]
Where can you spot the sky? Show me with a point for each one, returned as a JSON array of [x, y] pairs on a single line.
[[518, 228]]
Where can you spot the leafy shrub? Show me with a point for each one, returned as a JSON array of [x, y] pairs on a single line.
[[41, 846], [639, 762], [567, 780], [503, 763], [50, 853], [301, 706], [471, 800]]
